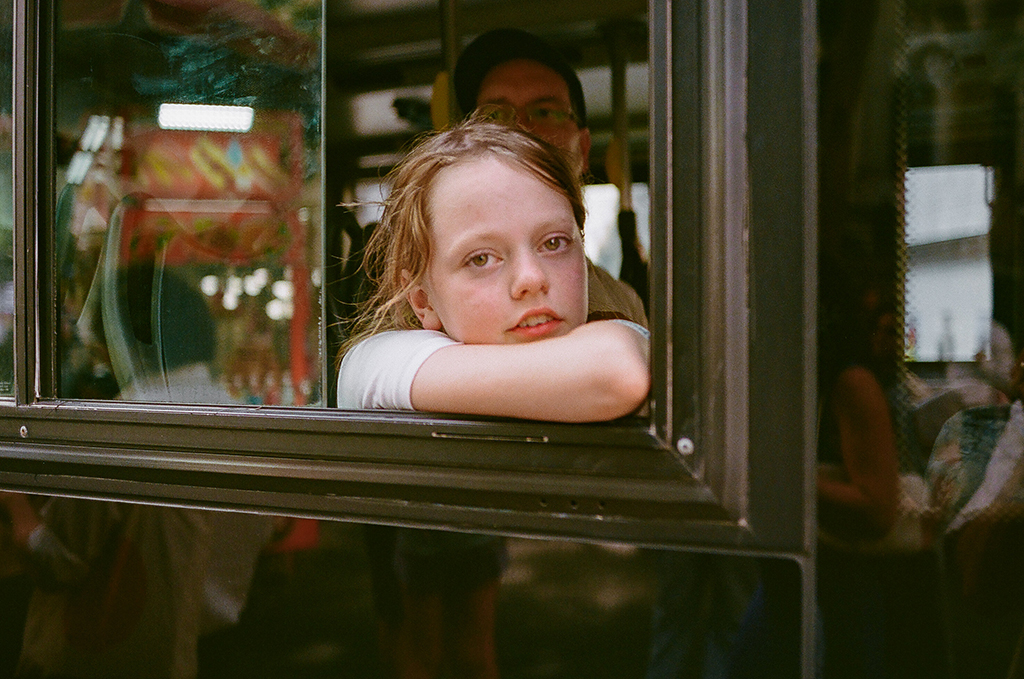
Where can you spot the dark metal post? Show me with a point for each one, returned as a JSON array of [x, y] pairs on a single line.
[[450, 51]]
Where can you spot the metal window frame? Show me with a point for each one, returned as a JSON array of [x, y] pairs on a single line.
[[732, 131]]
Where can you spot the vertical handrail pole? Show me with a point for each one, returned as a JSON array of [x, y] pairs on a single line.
[[620, 116], [450, 51]]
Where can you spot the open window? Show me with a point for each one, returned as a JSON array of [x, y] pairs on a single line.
[[132, 207]]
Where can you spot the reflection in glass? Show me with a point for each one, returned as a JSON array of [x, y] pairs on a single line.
[[188, 202], [114, 589], [949, 275], [283, 598], [920, 168]]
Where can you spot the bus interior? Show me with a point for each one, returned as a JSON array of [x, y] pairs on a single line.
[[768, 179]]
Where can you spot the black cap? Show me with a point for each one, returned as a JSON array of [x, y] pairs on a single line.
[[505, 44]]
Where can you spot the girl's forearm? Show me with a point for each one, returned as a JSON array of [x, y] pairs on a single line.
[[598, 372]]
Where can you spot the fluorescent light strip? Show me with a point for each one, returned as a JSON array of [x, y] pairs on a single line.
[[79, 166], [205, 117], [95, 133]]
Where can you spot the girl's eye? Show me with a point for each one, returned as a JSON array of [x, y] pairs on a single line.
[[479, 259], [554, 243]]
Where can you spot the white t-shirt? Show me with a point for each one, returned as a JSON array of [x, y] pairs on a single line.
[[378, 372]]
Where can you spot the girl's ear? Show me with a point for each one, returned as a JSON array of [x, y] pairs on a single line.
[[419, 300]]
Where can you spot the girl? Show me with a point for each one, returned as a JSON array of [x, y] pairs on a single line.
[[479, 307], [477, 258]]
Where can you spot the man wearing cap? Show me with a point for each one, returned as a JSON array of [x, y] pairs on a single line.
[[515, 77]]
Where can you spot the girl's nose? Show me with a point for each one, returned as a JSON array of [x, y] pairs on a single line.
[[529, 277]]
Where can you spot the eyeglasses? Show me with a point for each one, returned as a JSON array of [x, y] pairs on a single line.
[[537, 115]]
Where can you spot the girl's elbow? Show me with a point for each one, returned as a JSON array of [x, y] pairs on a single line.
[[627, 393], [637, 390], [618, 377], [634, 380]]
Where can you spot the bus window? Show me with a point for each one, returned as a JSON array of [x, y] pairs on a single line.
[[194, 208], [188, 203], [949, 274], [192, 232]]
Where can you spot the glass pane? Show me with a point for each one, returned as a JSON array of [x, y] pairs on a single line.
[[235, 595], [189, 201], [6, 200], [949, 274], [921, 282]]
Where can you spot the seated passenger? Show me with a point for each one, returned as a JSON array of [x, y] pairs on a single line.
[[977, 476]]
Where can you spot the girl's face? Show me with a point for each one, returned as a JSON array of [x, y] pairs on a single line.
[[506, 260]]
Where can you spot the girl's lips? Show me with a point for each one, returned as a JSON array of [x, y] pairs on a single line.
[[536, 325], [536, 331], [535, 319]]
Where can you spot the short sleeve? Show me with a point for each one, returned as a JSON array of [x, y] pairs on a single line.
[[378, 372], [636, 327]]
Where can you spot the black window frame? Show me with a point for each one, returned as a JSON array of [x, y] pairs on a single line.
[[724, 460]]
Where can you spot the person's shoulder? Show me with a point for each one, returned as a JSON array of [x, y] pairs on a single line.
[[856, 376], [396, 339], [612, 298], [391, 344], [378, 371], [857, 387]]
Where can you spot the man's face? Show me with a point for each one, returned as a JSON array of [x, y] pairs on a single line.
[[524, 86]]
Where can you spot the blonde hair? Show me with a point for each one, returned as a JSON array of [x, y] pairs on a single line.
[[398, 252]]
